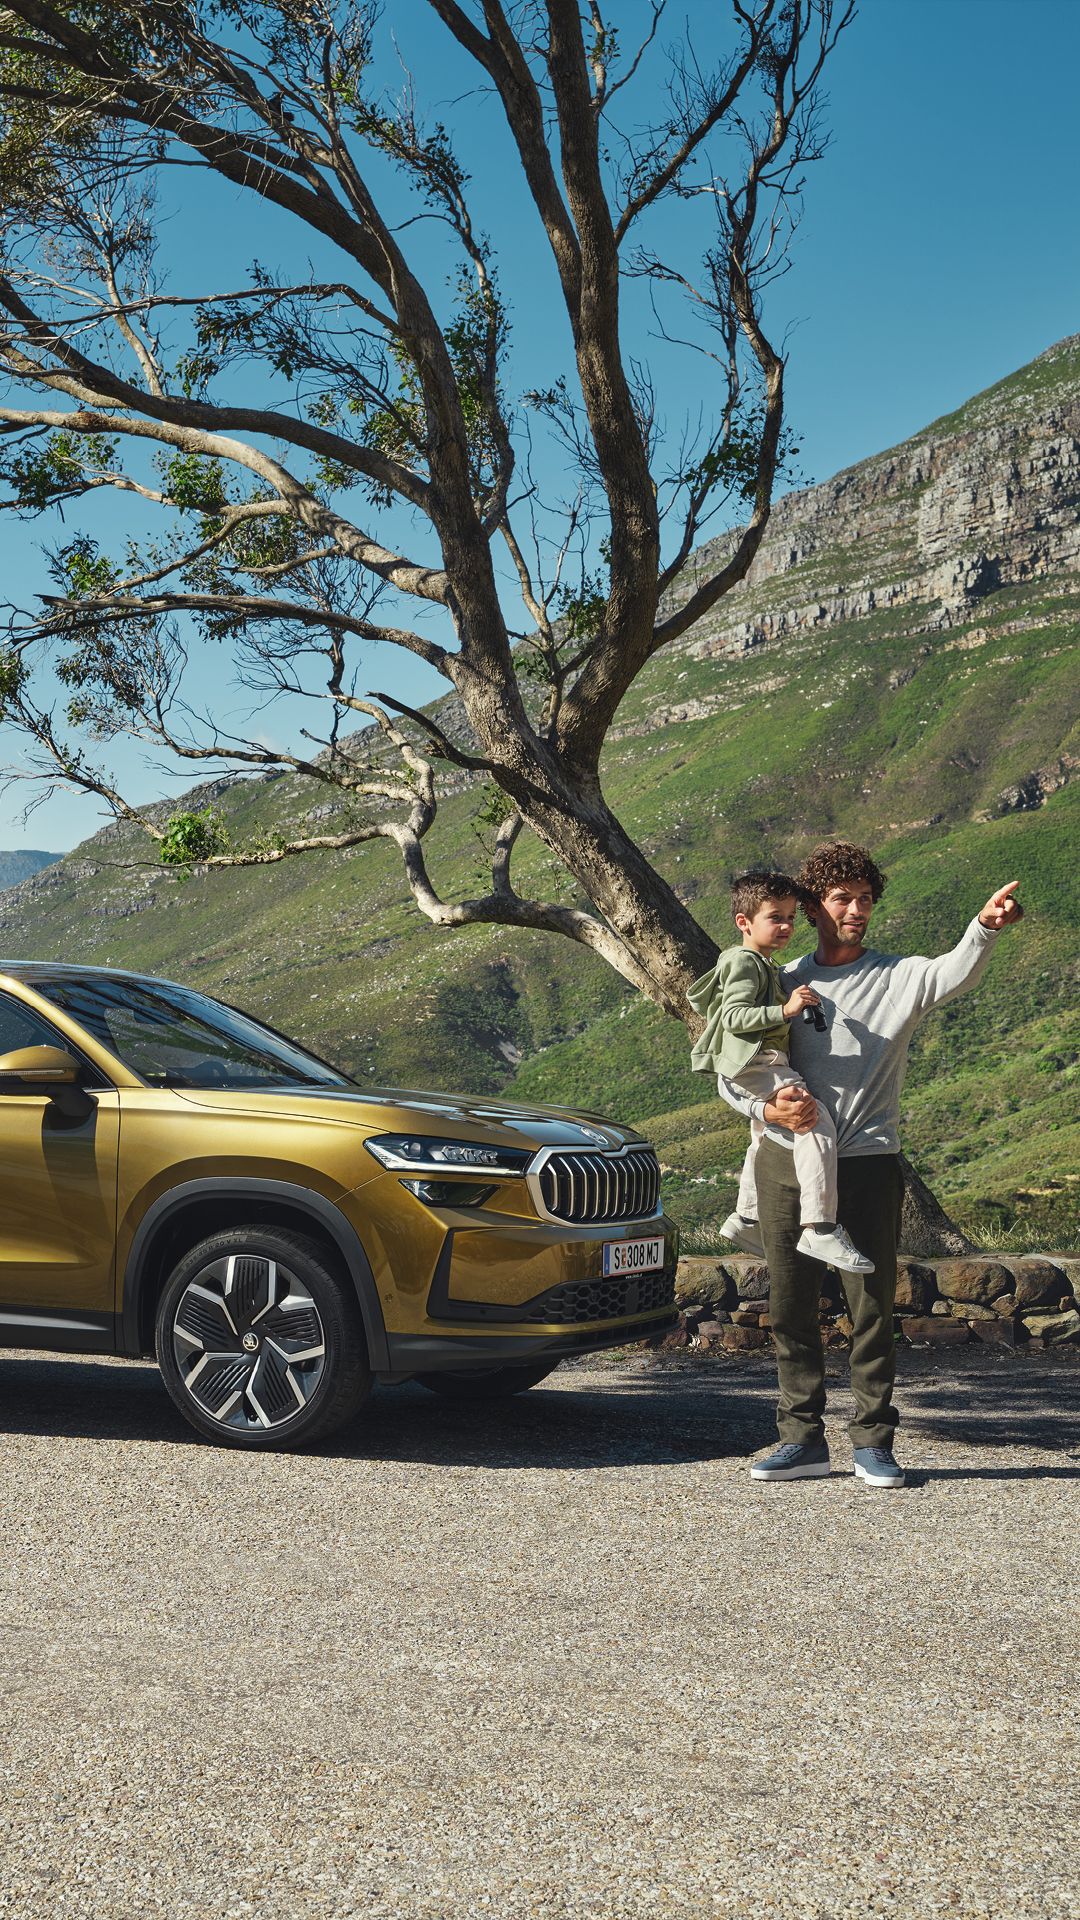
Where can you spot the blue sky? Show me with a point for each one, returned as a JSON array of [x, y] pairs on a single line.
[[938, 251]]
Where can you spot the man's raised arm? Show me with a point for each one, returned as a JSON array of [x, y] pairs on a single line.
[[951, 973]]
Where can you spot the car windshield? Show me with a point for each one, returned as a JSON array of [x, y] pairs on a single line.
[[172, 1037]]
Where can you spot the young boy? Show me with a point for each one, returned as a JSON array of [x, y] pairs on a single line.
[[747, 1040]]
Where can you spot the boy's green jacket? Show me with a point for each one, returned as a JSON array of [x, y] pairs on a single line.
[[742, 1004]]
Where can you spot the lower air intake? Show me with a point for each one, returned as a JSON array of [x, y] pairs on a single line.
[[580, 1300]]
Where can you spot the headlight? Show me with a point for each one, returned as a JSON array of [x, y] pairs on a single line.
[[422, 1154]]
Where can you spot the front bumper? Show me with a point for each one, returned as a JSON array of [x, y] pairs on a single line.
[[466, 1288], [412, 1353]]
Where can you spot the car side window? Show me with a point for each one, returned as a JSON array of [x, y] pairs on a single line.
[[21, 1026]]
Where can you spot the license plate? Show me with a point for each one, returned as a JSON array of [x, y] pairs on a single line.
[[633, 1256]]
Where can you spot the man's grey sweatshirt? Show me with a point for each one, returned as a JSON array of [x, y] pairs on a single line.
[[872, 1007]]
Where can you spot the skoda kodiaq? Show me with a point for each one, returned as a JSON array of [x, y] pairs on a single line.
[[177, 1177]]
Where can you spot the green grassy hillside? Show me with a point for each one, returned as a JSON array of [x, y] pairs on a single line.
[[884, 729]]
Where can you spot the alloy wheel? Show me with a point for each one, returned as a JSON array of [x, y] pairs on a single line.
[[248, 1342]]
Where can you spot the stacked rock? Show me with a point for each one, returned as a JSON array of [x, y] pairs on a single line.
[[1030, 1301]]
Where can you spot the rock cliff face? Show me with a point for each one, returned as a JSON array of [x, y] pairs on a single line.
[[985, 498]]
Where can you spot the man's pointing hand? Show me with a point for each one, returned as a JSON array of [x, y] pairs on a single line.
[[1001, 910]]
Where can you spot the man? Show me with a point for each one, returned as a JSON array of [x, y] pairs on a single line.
[[871, 1003]]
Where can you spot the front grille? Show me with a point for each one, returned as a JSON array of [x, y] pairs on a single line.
[[587, 1188], [612, 1299]]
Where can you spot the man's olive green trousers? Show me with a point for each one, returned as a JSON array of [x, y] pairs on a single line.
[[870, 1196]]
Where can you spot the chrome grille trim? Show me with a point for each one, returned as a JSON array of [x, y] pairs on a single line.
[[596, 1188]]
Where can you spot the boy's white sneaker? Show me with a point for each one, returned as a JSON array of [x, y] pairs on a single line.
[[744, 1233], [835, 1247]]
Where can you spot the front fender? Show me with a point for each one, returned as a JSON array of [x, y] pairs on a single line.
[[304, 1201]]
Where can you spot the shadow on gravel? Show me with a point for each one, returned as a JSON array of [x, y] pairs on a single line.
[[82, 1400], [639, 1419], [993, 1473], [623, 1417], [1021, 1410]]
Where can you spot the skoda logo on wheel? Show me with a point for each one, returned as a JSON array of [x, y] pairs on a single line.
[[250, 1342]]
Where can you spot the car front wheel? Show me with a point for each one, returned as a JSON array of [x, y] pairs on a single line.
[[259, 1342]]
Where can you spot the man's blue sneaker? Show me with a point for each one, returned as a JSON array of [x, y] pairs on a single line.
[[877, 1467], [795, 1460]]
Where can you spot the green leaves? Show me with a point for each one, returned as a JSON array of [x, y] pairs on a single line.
[[582, 612], [194, 483], [489, 814], [81, 570], [228, 331], [192, 837], [57, 468], [50, 106], [733, 466], [12, 678]]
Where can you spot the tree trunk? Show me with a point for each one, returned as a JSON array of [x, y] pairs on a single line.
[[925, 1227], [571, 817], [567, 812]]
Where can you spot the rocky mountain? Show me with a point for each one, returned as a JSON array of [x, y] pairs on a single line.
[[899, 668], [18, 863], [986, 498]]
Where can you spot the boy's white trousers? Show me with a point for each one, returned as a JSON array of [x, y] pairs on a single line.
[[815, 1151]]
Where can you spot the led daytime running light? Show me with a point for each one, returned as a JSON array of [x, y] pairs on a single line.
[[422, 1153]]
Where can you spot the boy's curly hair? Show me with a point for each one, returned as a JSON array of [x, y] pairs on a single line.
[[836, 863], [749, 890]]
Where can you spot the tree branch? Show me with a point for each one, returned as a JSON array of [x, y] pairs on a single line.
[[502, 58], [444, 746], [422, 582], [239, 607], [95, 382], [724, 98]]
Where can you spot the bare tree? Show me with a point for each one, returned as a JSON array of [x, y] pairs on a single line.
[[390, 400], [371, 387]]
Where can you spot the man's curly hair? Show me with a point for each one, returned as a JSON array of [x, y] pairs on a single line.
[[836, 863]]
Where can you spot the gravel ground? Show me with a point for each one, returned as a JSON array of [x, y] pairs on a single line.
[[562, 1659]]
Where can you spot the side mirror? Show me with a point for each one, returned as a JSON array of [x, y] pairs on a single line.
[[37, 1067]]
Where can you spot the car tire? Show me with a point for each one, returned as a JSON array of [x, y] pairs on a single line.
[[260, 1340], [490, 1383]]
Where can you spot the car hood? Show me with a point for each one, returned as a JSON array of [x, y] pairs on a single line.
[[389, 1109]]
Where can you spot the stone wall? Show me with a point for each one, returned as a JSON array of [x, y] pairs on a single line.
[[1031, 1301]]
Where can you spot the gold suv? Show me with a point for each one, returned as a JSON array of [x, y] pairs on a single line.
[[178, 1177]]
